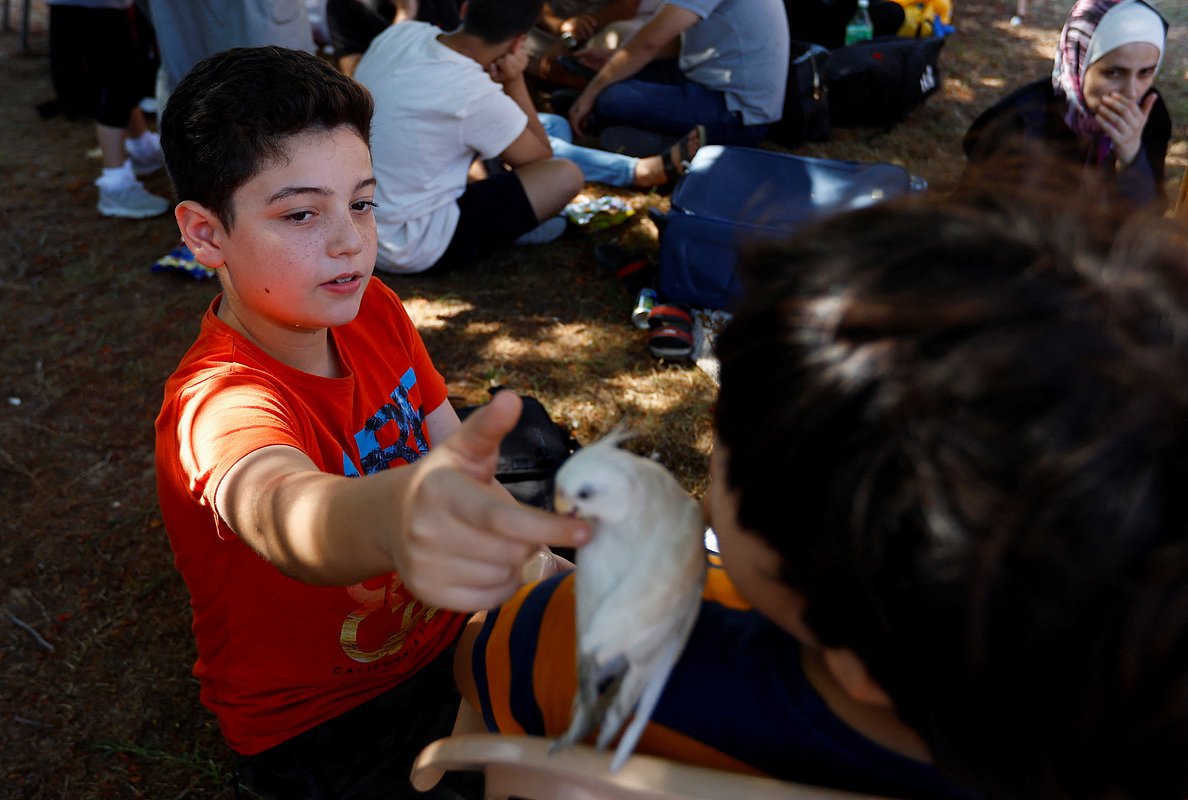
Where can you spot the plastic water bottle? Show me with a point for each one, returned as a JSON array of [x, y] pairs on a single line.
[[859, 28]]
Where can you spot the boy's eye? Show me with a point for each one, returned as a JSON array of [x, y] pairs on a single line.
[[299, 216], [364, 205]]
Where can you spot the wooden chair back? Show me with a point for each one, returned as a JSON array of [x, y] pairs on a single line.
[[523, 767]]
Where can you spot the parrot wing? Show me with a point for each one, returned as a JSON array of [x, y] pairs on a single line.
[[637, 606]]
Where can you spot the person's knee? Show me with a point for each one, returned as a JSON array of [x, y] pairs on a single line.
[[570, 174], [570, 180], [550, 184]]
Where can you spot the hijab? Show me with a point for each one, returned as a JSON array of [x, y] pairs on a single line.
[[1093, 29]]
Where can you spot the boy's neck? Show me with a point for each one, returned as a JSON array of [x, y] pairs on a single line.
[[881, 725], [311, 350]]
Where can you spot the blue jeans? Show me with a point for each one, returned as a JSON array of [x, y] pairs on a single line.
[[661, 99], [600, 166]]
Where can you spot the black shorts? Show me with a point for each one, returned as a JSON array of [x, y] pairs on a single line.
[[354, 23], [495, 212], [368, 752], [100, 45]]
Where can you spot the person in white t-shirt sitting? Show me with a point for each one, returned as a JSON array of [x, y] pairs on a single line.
[[441, 101]]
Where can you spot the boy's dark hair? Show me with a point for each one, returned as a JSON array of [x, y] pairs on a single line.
[[963, 425], [231, 116], [496, 21]]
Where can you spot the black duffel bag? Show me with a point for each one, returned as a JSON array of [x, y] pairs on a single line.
[[878, 82]]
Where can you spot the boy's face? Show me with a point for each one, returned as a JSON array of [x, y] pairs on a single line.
[[753, 566], [303, 243]]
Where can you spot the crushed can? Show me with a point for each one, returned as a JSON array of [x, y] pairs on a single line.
[[645, 301]]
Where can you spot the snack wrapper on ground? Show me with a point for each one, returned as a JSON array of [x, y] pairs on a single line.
[[598, 213]]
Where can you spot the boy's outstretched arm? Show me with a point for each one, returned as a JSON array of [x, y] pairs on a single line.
[[455, 536]]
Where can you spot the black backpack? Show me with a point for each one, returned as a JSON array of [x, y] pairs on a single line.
[[876, 83], [531, 454], [806, 102]]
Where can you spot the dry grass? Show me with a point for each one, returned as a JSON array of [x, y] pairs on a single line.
[[96, 700]]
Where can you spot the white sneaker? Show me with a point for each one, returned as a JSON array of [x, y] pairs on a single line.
[[545, 232], [131, 201], [145, 154]]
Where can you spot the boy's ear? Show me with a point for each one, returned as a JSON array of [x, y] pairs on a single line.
[[850, 673], [200, 229]]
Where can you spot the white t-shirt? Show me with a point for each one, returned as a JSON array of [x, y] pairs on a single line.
[[741, 49], [435, 110]]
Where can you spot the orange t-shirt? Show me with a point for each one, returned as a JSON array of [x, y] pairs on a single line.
[[277, 656]]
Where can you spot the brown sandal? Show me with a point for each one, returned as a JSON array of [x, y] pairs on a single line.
[[674, 170]]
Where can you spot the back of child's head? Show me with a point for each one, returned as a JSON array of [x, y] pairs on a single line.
[[232, 115], [963, 425], [497, 21]]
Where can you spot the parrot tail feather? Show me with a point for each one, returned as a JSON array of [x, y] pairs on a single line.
[[648, 699], [598, 686]]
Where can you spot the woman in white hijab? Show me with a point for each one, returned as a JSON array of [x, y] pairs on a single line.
[[1099, 109]]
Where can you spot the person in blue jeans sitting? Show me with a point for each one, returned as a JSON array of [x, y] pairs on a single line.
[[617, 169], [729, 75]]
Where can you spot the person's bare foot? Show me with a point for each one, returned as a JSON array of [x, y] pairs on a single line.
[[668, 166]]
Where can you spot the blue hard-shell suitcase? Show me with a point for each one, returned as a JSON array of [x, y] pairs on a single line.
[[735, 197]]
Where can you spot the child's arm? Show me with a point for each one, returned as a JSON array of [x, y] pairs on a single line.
[[634, 55], [453, 534], [442, 422], [533, 143]]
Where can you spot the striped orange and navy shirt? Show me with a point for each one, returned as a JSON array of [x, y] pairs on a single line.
[[737, 700]]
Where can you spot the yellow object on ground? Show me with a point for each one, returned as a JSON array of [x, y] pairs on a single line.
[[919, 16]]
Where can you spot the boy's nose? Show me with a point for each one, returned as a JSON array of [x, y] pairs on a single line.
[[348, 239]]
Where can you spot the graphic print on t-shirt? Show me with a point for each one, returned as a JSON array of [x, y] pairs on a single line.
[[374, 455], [384, 441], [397, 600]]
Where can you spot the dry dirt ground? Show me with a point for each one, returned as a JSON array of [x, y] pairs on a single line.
[[96, 699]]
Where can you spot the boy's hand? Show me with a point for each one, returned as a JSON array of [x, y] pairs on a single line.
[[510, 65], [579, 112], [1123, 121], [464, 541]]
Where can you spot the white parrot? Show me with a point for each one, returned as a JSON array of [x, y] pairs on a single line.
[[639, 584]]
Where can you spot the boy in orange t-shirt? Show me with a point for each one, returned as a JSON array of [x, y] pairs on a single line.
[[328, 511]]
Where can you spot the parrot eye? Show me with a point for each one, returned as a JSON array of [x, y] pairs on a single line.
[[585, 493]]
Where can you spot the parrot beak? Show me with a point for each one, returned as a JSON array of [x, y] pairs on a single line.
[[563, 506]]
